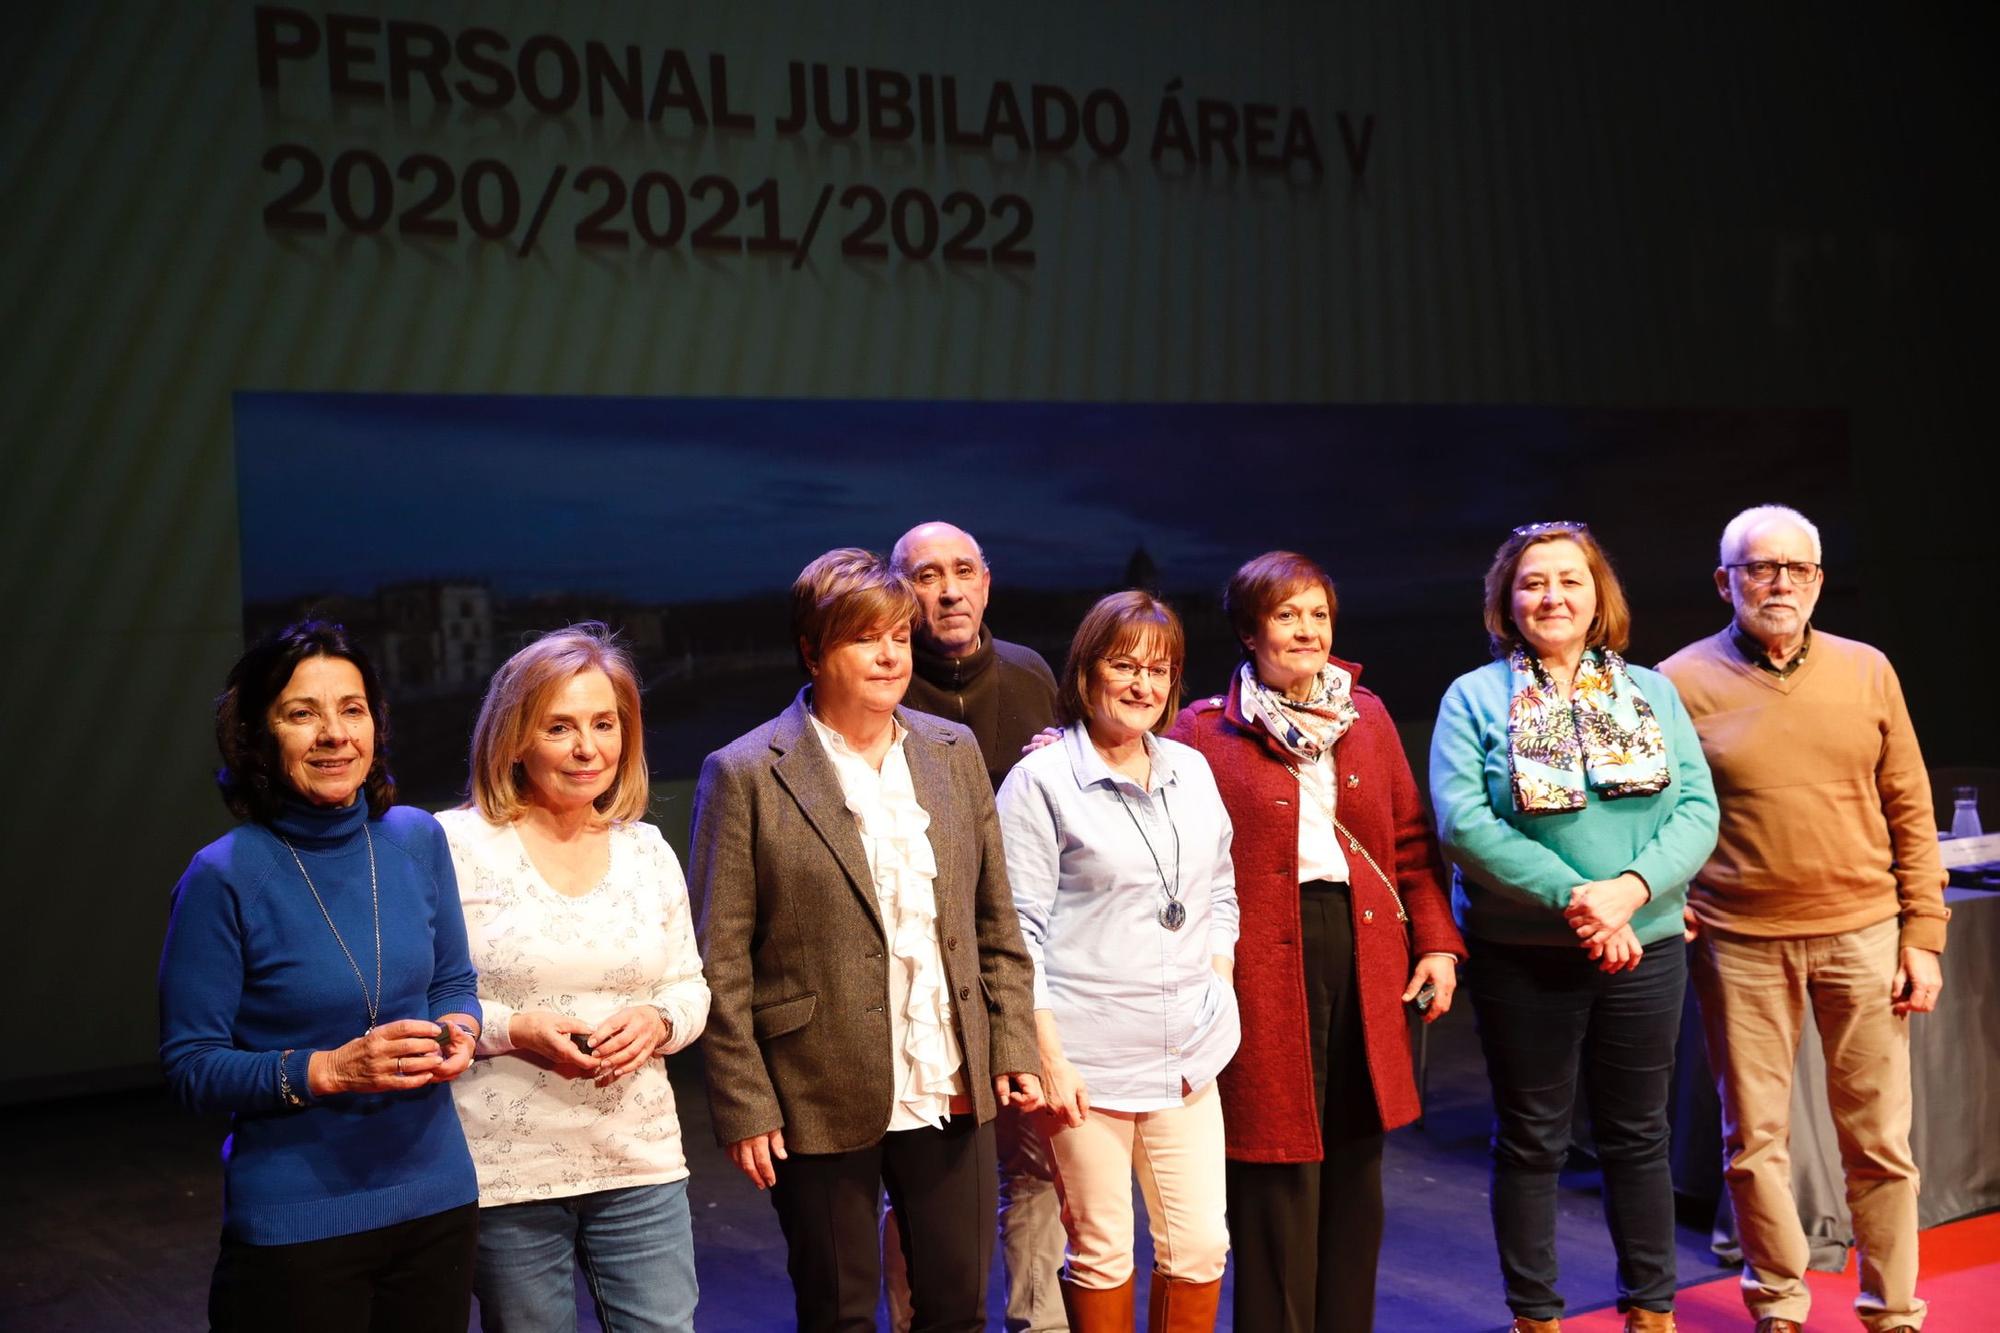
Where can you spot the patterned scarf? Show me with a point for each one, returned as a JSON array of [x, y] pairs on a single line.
[[1308, 729], [1605, 736]]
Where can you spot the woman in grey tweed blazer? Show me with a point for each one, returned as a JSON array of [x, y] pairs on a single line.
[[872, 1002]]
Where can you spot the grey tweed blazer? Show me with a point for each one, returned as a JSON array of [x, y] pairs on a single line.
[[792, 942]]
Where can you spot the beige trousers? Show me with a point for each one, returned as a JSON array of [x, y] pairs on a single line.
[[1755, 997], [1178, 1156]]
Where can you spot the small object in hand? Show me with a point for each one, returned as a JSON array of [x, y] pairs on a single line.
[[1421, 1001], [581, 1040], [444, 1040]]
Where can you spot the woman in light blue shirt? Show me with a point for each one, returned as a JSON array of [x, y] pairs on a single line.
[[1118, 852]]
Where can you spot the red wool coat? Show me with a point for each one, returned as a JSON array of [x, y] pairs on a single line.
[[1267, 1091]]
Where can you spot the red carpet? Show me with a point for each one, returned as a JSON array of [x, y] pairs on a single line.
[[1960, 1278]]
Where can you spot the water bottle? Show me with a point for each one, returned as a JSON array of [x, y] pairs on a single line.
[[1965, 812]]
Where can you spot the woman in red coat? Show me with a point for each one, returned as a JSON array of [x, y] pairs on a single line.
[[1344, 919]]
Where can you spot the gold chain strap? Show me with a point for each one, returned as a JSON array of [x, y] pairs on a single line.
[[1353, 843]]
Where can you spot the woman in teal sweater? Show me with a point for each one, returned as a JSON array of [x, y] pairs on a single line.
[[1574, 803]]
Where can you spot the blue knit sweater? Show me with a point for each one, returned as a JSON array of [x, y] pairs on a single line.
[[1514, 871], [250, 969]]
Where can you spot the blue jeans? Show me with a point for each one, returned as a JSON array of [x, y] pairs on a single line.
[[1546, 1017], [637, 1248]]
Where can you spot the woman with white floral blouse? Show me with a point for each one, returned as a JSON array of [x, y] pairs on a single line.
[[588, 973]]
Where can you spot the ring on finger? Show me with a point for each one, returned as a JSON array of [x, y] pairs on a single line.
[[399, 1066]]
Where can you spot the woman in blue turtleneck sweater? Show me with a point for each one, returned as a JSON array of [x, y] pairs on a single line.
[[315, 984]]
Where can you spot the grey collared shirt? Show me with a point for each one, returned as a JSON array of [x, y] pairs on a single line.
[[1753, 652], [1141, 1009]]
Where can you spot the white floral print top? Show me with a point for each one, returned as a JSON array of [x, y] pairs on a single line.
[[535, 1134]]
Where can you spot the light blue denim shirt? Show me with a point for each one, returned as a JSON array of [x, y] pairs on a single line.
[[1140, 1007]]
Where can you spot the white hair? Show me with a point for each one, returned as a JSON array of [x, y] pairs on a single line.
[[1749, 520]]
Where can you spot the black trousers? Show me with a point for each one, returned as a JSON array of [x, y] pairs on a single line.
[[413, 1277], [1306, 1235], [943, 1186], [1550, 1022]]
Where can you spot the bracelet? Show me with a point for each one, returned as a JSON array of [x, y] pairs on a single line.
[[285, 1082], [667, 1021]]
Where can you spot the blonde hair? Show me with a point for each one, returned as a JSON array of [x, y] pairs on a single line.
[[515, 701], [844, 594]]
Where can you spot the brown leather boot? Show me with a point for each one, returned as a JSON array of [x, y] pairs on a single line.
[[1174, 1305], [1098, 1309], [1523, 1324], [1648, 1321]]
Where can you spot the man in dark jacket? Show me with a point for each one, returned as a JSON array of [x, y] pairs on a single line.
[[1005, 693]]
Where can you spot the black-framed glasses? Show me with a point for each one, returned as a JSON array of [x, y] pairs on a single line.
[[1804, 573], [1555, 525]]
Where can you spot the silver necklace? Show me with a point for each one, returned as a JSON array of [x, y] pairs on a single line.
[[1172, 914], [375, 898]]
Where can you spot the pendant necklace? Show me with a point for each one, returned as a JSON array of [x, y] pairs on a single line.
[[1172, 914], [375, 897]]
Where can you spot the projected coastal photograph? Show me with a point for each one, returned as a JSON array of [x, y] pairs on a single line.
[[448, 530]]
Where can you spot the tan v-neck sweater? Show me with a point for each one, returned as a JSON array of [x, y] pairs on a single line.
[[1826, 805]]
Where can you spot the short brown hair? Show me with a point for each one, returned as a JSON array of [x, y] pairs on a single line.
[[844, 594], [1610, 628], [518, 696], [1262, 583], [1118, 624]]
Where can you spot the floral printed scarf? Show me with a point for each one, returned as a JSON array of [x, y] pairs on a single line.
[[1307, 729], [1606, 735]]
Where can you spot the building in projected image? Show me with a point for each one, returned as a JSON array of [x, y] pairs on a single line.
[[436, 637]]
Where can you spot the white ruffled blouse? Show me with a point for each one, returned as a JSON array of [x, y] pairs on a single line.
[[894, 827]]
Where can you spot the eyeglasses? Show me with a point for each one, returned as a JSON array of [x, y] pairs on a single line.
[[1123, 671], [1556, 525], [1804, 573]]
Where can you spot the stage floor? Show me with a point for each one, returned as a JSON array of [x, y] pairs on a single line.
[[1961, 1281], [111, 1204]]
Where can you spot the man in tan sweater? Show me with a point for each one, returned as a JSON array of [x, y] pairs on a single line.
[[1825, 896]]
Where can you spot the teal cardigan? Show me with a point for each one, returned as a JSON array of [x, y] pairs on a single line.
[[1513, 872]]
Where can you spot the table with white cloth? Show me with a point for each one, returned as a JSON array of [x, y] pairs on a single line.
[[1954, 1065]]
